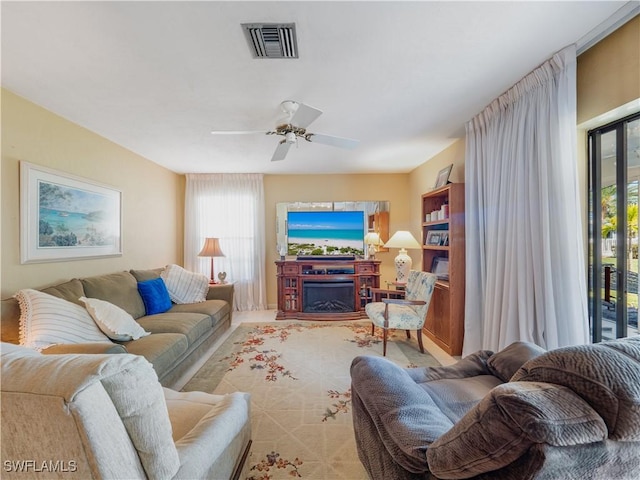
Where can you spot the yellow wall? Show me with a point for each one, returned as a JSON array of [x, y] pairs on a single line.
[[608, 77], [609, 72], [335, 188], [152, 196]]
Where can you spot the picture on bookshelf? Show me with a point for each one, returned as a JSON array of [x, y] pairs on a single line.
[[440, 267], [443, 176], [433, 237], [437, 238]]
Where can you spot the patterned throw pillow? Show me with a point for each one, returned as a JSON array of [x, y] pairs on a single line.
[[46, 320], [114, 322], [185, 286]]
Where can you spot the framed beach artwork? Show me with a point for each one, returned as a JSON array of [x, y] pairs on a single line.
[[64, 217]]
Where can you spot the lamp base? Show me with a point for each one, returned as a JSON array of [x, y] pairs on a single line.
[[403, 266]]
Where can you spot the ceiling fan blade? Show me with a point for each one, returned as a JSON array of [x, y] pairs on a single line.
[[281, 151], [305, 115], [333, 141], [237, 132]]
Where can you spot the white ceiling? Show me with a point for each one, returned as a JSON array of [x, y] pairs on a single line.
[[402, 77]]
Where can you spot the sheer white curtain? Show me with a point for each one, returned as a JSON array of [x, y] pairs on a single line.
[[525, 274], [230, 207]]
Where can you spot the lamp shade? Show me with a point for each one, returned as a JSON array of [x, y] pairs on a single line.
[[402, 239], [211, 248], [372, 238]]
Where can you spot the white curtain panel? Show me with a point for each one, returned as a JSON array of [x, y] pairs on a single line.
[[525, 273], [231, 208]]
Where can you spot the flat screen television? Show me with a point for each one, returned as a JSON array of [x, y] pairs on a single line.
[[325, 233]]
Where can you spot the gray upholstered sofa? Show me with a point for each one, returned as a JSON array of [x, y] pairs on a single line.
[[521, 413], [98, 416], [178, 337]]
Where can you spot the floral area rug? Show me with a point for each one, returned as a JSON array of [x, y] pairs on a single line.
[[298, 377]]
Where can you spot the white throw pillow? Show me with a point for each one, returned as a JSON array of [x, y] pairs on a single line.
[[185, 286], [46, 320], [114, 322]]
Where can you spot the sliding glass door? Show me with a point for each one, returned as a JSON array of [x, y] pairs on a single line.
[[613, 220]]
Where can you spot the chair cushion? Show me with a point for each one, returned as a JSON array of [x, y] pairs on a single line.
[[400, 316], [46, 320], [507, 422], [406, 418], [606, 375], [505, 363]]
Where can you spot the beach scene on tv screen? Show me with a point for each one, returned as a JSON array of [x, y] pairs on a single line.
[[325, 233]]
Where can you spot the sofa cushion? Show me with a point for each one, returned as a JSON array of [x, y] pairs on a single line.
[[194, 326], [216, 309], [505, 363], [70, 291], [114, 322], [161, 349], [120, 288], [507, 422], [606, 375], [185, 286], [47, 320], [93, 347], [155, 296], [149, 274]]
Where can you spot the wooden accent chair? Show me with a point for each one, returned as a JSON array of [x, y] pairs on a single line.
[[408, 313]]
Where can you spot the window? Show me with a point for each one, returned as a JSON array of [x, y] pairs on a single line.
[[614, 155]]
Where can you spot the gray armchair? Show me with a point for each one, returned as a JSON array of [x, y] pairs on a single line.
[[521, 413]]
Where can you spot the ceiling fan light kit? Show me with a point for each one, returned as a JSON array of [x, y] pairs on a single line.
[[298, 117]]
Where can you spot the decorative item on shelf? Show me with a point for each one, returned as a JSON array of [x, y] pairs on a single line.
[[402, 239], [440, 267], [222, 276], [282, 250], [443, 176], [444, 210], [372, 240], [211, 249]]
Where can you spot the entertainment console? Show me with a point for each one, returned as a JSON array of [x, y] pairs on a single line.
[[325, 288]]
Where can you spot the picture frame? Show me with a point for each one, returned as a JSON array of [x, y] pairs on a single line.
[[444, 238], [440, 267], [443, 176], [433, 237], [65, 217]]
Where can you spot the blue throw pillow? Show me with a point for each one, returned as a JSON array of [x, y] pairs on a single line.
[[155, 296]]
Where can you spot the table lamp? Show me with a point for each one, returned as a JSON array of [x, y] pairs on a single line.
[[372, 240], [402, 239], [211, 249]]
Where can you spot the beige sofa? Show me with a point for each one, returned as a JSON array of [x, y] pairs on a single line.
[[80, 416], [178, 337]]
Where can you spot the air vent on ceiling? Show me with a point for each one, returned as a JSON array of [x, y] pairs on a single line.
[[272, 40]]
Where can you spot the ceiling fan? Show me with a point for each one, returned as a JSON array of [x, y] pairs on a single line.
[[293, 126]]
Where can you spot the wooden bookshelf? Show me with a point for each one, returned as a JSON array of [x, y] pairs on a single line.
[[445, 318]]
